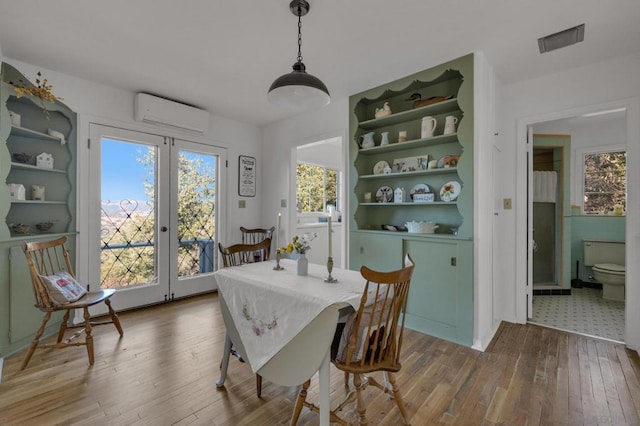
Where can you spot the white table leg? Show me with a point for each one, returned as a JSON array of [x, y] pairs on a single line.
[[325, 377], [225, 362]]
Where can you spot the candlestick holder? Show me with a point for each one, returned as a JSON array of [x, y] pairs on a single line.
[[330, 279], [278, 267]]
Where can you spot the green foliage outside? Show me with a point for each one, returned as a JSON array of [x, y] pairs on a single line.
[[316, 187], [605, 180], [134, 264]]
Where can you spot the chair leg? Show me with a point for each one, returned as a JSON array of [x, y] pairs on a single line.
[[63, 326], [362, 409], [35, 341], [259, 385], [89, 337], [398, 398], [346, 380], [114, 317], [302, 397]]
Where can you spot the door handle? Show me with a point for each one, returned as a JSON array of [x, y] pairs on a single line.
[[163, 229]]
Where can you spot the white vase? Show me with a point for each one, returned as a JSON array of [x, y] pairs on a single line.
[[303, 264]]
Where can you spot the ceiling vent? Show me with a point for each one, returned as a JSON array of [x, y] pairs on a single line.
[[562, 39]]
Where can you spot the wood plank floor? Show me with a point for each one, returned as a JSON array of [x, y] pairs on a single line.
[[163, 372]]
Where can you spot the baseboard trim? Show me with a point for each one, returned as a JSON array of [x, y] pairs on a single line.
[[553, 292]]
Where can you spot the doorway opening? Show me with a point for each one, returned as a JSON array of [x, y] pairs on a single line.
[[565, 294], [319, 191]]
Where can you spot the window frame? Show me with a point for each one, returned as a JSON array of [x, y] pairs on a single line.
[[601, 149], [324, 194]]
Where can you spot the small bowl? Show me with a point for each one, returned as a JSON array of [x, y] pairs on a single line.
[[21, 228], [21, 157], [44, 226]]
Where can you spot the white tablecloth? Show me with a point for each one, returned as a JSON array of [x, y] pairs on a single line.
[[270, 307]]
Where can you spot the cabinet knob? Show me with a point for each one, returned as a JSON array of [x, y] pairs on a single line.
[[163, 229]]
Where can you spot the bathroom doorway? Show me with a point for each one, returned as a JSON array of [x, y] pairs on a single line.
[[565, 294]]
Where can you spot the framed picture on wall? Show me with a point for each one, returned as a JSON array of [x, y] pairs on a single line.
[[246, 176]]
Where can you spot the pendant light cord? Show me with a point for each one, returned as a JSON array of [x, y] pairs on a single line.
[[299, 34]]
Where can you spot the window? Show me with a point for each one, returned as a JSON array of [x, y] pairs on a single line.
[[317, 187], [605, 181]]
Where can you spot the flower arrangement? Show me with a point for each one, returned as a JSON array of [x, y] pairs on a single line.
[[42, 90], [300, 244]]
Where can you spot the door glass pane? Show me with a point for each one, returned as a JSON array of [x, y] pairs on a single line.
[[127, 214], [196, 213]]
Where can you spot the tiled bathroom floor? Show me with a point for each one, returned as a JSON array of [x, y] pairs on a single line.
[[585, 311]]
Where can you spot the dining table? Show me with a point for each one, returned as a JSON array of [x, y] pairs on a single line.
[[283, 323]]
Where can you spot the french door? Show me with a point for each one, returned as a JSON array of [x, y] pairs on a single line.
[[153, 215]]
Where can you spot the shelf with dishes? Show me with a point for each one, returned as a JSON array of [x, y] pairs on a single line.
[[38, 202], [421, 204], [22, 166], [412, 114], [32, 134], [410, 144], [408, 174]]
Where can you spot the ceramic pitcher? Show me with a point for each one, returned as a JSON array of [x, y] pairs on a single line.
[[428, 127], [450, 124], [385, 138], [367, 140]]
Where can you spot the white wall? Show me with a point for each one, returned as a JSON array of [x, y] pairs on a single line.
[[603, 85], [94, 102]]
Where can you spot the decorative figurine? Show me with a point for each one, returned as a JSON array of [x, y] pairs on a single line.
[[44, 160], [384, 111]]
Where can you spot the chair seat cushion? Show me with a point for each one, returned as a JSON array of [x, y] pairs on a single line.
[[62, 288]]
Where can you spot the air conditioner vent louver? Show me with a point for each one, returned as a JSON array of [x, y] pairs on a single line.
[[164, 112], [562, 39]]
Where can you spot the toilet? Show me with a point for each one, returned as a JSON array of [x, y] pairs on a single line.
[[607, 261]]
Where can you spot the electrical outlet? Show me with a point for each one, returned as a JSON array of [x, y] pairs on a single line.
[[242, 204], [506, 203]]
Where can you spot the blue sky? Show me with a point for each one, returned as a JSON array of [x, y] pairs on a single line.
[[122, 175]]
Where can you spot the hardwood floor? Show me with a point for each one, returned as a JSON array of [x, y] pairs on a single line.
[[163, 372]]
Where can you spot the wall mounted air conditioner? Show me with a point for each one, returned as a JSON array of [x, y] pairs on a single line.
[[152, 109]]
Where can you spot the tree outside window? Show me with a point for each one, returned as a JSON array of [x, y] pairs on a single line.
[[605, 181], [317, 187]]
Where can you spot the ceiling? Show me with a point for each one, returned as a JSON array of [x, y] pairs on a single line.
[[223, 55]]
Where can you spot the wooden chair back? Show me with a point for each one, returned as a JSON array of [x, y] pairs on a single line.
[[372, 338], [257, 235], [46, 258], [254, 236], [239, 254]]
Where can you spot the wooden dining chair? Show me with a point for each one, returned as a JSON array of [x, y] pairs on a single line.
[[49, 261], [239, 254], [371, 341], [236, 255], [257, 235]]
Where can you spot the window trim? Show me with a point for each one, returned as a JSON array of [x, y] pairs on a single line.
[[600, 149], [324, 194]]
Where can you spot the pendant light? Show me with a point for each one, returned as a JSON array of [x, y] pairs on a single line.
[[298, 89]]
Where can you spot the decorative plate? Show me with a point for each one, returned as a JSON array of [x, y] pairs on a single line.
[[420, 188], [450, 191], [448, 161], [384, 194], [411, 164], [378, 169]]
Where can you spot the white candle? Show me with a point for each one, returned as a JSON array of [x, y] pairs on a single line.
[[329, 239], [278, 232]]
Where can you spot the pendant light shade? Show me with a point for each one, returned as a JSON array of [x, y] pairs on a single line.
[[298, 89]]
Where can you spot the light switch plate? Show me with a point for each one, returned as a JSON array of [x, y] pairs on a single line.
[[242, 204], [506, 203], [283, 202]]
